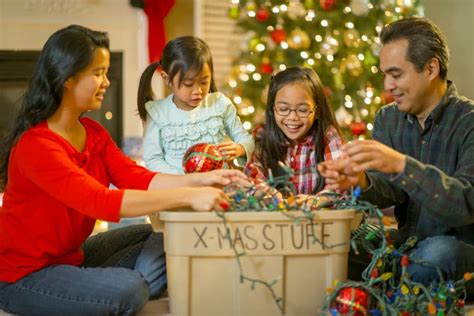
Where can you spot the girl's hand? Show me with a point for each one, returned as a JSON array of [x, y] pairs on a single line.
[[340, 174], [314, 202], [220, 178], [231, 150], [205, 199]]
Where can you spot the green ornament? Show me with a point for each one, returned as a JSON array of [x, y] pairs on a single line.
[[253, 43], [234, 12]]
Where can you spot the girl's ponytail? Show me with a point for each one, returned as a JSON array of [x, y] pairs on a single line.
[[145, 91]]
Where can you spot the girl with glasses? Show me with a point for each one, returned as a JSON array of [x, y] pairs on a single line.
[[300, 131]]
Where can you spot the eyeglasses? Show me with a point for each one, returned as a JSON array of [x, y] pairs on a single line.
[[300, 112]]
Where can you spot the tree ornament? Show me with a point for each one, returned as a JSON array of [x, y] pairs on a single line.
[[266, 68], [253, 43], [352, 301], [202, 157], [278, 35], [234, 12], [327, 5], [360, 7], [329, 46], [295, 10], [262, 15], [352, 65], [386, 97], [299, 39], [250, 6], [405, 5], [351, 38], [358, 128], [327, 92]]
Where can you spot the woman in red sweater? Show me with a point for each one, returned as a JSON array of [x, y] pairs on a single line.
[[56, 169]]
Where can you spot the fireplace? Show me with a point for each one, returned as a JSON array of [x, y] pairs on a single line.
[[16, 68]]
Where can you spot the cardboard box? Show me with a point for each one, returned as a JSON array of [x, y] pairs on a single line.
[[203, 272]]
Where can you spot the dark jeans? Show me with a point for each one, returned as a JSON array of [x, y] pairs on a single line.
[[122, 270], [453, 257]]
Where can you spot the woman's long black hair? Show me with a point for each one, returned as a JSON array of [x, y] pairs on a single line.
[[270, 146], [66, 52], [179, 56]]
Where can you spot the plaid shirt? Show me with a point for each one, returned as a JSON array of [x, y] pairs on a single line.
[[301, 157], [434, 194]]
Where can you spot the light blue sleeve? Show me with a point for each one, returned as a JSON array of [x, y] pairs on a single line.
[[153, 154], [236, 130]]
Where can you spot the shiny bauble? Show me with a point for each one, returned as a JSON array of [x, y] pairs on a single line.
[[358, 128], [266, 68], [298, 39], [351, 38], [295, 10], [329, 46], [262, 15], [202, 157], [327, 5], [386, 97], [234, 12], [352, 65], [360, 7], [352, 301], [278, 35]]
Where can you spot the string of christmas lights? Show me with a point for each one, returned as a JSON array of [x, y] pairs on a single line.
[[386, 288]]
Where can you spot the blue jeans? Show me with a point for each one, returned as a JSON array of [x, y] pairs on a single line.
[[453, 257], [122, 270]]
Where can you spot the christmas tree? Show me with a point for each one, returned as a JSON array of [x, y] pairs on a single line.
[[337, 38]]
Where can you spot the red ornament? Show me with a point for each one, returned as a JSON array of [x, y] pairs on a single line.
[[262, 15], [201, 158], [327, 91], [278, 35], [327, 5], [352, 301], [357, 128], [266, 68], [386, 97]]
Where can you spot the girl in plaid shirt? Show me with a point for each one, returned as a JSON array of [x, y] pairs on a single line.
[[300, 131]]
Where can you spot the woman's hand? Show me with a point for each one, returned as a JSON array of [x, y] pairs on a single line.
[[220, 178], [205, 199], [231, 150]]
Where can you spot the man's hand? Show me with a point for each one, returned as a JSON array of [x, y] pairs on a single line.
[[372, 155], [231, 150]]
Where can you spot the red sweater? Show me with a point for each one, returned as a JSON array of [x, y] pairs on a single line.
[[54, 195]]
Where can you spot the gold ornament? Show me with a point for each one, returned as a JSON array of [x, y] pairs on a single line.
[[295, 10], [405, 5], [298, 39], [351, 38], [251, 6], [360, 7], [351, 64], [329, 46]]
